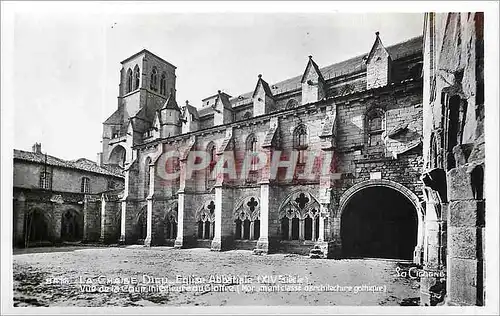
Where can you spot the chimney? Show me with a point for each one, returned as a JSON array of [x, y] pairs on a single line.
[[99, 159], [37, 148]]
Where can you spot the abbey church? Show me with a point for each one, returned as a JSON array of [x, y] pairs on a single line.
[[364, 114]]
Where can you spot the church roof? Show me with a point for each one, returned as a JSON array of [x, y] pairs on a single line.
[[192, 110], [116, 117], [81, 164], [265, 85], [313, 64], [346, 67], [171, 104]]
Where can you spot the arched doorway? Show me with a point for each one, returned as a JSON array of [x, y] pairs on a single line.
[[379, 221], [71, 226], [36, 227]]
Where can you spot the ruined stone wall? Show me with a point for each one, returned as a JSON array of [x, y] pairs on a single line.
[[454, 152]]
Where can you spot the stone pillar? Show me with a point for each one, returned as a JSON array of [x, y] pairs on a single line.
[[123, 222], [251, 230], [466, 238], [321, 235], [149, 216], [301, 229], [263, 242], [289, 229], [314, 230], [19, 213], [223, 237]]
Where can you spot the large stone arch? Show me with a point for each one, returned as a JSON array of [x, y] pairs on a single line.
[[118, 156], [37, 225], [407, 193]]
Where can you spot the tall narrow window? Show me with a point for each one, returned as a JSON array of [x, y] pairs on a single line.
[[137, 77], [45, 180], [375, 129], [85, 185], [129, 80], [154, 79], [251, 151], [212, 154], [163, 84], [300, 143]]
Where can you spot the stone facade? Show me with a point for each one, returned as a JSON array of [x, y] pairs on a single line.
[[361, 120], [453, 153], [57, 200]]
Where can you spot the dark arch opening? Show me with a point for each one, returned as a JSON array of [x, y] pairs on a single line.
[[71, 226], [36, 227], [142, 224], [379, 222]]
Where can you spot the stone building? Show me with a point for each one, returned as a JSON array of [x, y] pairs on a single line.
[[359, 121], [57, 200], [453, 153]]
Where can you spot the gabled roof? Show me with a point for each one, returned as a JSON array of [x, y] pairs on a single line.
[[115, 118], [82, 164], [377, 43], [224, 98], [310, 64], [265, 85], [346, 67], [171, 104], [145, 51], [193, 111]]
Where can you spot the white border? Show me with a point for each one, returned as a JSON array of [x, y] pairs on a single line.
[[8, 9]]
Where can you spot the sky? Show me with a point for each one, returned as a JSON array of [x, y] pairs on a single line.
[[67, 66]]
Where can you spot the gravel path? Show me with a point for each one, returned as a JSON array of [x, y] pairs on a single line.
[[77, 276]]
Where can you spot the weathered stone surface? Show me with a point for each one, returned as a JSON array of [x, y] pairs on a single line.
[[459, 185], [462, 242], [466, 213], [462, 282]]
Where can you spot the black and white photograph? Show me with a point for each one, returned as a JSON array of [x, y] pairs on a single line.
[[246, 158]]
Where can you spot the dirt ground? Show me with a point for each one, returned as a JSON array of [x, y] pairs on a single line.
[[79, 276]]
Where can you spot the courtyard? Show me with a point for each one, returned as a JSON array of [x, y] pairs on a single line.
[[140, 276]]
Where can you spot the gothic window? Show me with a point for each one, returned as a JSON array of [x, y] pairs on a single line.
[[154, 79], [146, 176], [251, 149], [292, 103], [129, 80], [247, 224], [163, 84], [85, 185], [45, 180], [171, 227], [206, 222], [375, 126], [137, 77], [300, 142], [212, 156]]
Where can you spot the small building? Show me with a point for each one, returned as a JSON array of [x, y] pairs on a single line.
[[58, 200]]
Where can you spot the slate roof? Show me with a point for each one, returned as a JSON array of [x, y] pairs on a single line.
[[349, 66], [316, 68], [265, 85], [78, 164], [193, 111]]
